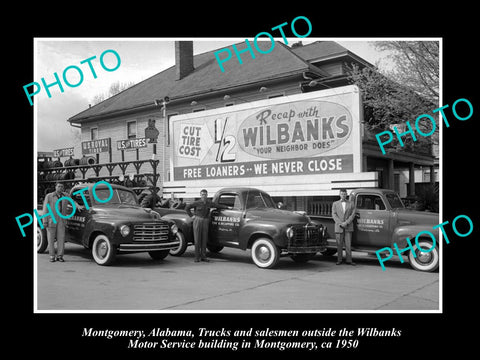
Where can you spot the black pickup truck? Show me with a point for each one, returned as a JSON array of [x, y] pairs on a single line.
[[381, 220], [115, 227], [255, 223]]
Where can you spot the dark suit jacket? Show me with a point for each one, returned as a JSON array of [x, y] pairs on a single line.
[[51, 199], [339, 216]]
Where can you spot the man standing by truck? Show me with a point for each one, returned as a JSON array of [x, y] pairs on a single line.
[[343, 213], [55, 228], [201, 221]]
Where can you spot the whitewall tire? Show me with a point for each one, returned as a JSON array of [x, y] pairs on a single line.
[[102, 250], [265, 253], [424, 261]]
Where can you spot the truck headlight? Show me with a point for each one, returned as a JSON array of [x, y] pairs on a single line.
[[290, 233], [174, 229], [155, 214], [124, 230]]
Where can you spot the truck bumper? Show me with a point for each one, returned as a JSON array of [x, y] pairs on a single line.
[[305, 249], [148, 247]]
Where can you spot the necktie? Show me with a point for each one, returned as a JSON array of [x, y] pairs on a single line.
[[60, 207]]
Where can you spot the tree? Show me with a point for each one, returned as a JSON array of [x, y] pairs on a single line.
[[402, 94], [114, 89], [416, 65]]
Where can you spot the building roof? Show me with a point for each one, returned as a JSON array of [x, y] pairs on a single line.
[[207, 77], [325, 50]]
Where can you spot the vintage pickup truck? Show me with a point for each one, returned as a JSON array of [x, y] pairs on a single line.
[[255, 223], [382, 220], [115, 227]]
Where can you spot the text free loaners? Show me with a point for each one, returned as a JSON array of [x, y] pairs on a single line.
[[283, 167]]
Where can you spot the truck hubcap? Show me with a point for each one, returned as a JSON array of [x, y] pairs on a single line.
[[263, 253], [102, 249], [423, 257]]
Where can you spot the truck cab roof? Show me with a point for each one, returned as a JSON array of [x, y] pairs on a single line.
[[373, 190]]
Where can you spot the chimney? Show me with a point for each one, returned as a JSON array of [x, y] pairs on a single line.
[[183, 58]]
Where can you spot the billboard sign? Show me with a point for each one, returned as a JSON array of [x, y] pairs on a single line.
[[304, 134]]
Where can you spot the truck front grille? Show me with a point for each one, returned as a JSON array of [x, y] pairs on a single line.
[[306, 236], [150, 232]]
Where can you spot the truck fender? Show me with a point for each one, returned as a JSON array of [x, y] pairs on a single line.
[[183, 222], [401, 233], [253, 230], [105, 228]]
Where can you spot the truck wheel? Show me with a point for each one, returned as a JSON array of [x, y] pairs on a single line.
[[214, 248], [42, 241], [159, 255], [424, 261], [265, 253], [102, 250], [182, 247]]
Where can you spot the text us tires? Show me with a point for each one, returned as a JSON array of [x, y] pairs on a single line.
[[182, 247], [265, 253], [103, 251], [42, 241], [423, 260]]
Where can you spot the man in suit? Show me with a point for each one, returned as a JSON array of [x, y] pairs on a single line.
[[55, 229], [343, 213]]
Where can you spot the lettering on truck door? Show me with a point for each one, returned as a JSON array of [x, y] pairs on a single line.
[[225, 224], [372, 228], [75, 225]]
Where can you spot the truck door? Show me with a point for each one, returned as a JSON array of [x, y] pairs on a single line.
[[225, 224], [372, 228], [75, 225]]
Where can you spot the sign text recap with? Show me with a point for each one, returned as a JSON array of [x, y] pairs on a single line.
[[49, 212]]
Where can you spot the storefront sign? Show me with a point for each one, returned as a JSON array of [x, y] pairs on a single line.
[[302, 166], [63, 152], [95, 146], [131, 144], [302, 134]]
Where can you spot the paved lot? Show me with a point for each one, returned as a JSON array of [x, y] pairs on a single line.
[[230, 282]]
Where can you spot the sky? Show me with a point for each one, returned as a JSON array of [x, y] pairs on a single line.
[[140, 59]]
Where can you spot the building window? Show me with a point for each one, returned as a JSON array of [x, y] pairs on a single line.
[[131, 129], [93, 133]]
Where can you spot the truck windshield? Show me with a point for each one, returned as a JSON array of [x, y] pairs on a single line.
[[394, 201], [260, 200], [119, 197]]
